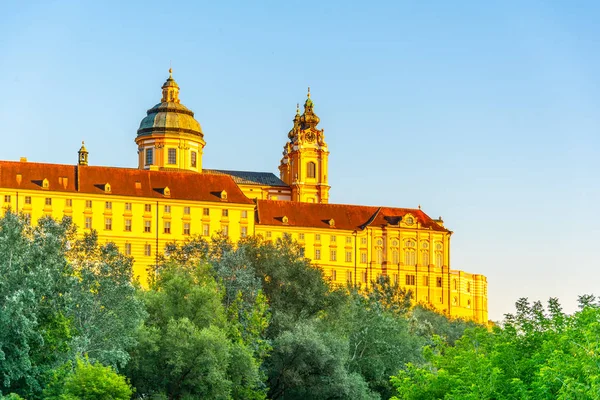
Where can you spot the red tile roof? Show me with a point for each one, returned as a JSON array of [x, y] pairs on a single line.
[[346, 217], [182, 185]]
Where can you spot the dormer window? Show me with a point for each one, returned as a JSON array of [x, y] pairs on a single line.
[[167, 192], [331, 222], [223, 195], [107, 188], [284, 219], [45, 184]]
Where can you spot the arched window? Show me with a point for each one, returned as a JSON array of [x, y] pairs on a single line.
[[311, 170], [410, 252], [424, 257], [379, 256], [439, 259], [395, 259]]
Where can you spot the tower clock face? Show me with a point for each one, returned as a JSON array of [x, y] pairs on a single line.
[[310, 137]]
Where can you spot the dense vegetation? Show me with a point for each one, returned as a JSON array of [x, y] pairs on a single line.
[[255, 320]]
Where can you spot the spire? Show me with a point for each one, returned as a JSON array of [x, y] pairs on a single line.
[[83, 155], [170, 90], [309, 119]]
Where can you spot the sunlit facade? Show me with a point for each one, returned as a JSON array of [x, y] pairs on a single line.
[[171, 197]]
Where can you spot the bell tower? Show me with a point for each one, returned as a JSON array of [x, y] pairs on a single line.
[[304, 164]]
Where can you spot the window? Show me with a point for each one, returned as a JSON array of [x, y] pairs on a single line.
[[364, 276], [410, 257], [333, 275], [395, 258], [108, 224], [317, 237], [186, 228], [88, 204], [149, 157], [363, 257], [27, 218], [205, 229], [454, 300], [349, 276], [172, 156], [108, 205], [395, 279], [379, 256], [438, 281], [68, 203], [311, 170], [244, 231], [333, 255], [348, 239], [127, 224], [206, 212], [410, 280], [225, 230], [424, 257], [410, 243], [88, 222], [332, 238], [301, 236], [27, 199], [269, 234], [127, 249], [167, 227], [317, 254], [225, 212], [439, 259], [468, 287], [147, 250], [363, 241], [348, 256], [127, 206], [194, 158], [147, 207], [186, 211], [7, 198], [425, 280], [147, 226], [244, 213], [167, 209], [468, 303], [48, 201], [455, 284]]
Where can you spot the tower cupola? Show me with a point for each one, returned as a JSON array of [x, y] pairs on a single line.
[[83, 155]]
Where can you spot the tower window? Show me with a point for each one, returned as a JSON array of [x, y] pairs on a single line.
[[149, 157], [311, 170], [172, 157], [194, 159]]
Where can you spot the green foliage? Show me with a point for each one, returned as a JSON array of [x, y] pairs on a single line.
[[89, 381]]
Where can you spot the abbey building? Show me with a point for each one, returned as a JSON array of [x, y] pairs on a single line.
[[171, 196]]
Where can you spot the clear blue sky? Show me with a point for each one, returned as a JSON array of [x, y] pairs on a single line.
[[485, 114]]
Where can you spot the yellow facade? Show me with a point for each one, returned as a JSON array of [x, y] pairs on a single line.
[[142, 213]]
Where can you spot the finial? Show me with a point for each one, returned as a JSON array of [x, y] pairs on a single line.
[[171, 73], [419, 206], [83, 143], [297, 108], [308, 95]]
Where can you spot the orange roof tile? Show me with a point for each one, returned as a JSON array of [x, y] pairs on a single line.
[[344, 216], [182, 185]]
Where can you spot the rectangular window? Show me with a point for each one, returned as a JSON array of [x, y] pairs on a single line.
[[225, 230], [317, 237], [269, 234], [333, 275], [147, 207], [317, 254], [147, 226], [349, 276], [127, 249], [410, 280], [348, 239], [172, 156], [363, 241], [108, 205], [127, 224], [438, 281], [186, 211], [333, 255], [396, 279], [363, 257], [88, 222], [147, 250], [7, 198], [48, 201], [225, 212], [205, 229], [425, 280], [244, 213], [194, 159], [88, 204], [149, 157], [167, 227], [108, 224], [244, 231], [348, 256], [364, 276], [127, 206], [27, 218], [68, 203], [27, 199], [332, 238], [167, 209], [186, 228], [206, 212]]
